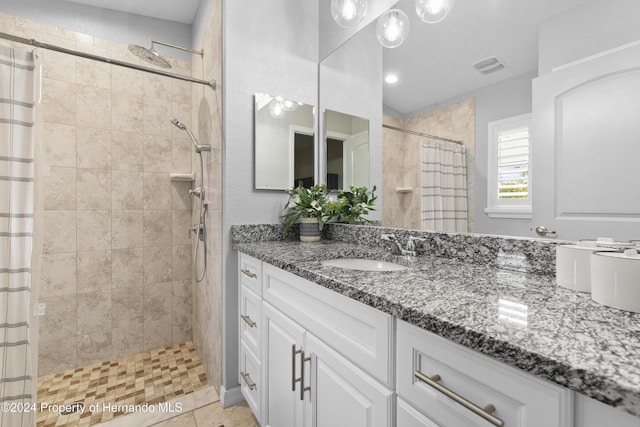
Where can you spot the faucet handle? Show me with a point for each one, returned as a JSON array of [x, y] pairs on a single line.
[[388, 237], [415, 242]]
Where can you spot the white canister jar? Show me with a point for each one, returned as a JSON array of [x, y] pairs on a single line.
[[573, 265], [615, 279]]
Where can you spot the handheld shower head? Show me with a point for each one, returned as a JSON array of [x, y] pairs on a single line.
[[199, 148]]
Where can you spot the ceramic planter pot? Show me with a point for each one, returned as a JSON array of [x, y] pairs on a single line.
[[309, 230]]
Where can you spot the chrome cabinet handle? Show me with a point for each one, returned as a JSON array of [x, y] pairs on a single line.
[[302, 387], [541, 230], [248, 320], [248, 273], [485, 412], [247, 380], [294, 380]]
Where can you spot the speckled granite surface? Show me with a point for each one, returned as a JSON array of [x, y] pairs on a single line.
[[521, 319]]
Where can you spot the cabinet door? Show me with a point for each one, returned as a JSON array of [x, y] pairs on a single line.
[[342, 394], [281, 366], [408, 416]]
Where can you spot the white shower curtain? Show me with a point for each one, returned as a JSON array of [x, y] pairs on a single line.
[[444, 186], [16, 234]]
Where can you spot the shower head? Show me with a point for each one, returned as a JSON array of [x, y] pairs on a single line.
[[149, 55], [199, 148]]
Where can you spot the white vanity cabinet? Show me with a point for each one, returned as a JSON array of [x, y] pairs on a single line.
[[325, 359], [453, 386]]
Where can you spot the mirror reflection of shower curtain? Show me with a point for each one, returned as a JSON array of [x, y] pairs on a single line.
[[444, 186], [16, 233]]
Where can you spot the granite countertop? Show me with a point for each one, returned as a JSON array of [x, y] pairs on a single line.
[[521, 319]]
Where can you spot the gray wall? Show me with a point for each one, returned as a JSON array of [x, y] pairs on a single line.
[[106, 24], [269, 47]]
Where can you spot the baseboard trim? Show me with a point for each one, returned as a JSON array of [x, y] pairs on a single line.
[[230, 397]]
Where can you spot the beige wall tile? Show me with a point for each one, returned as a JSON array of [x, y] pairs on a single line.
[[157, 86], [127, 150], [58, 275], [157, 227], [181, 151], [182, 262], [182, 302], [59, 145], [180, 198], [57, 355], [94, 148], [157, 115], [180, 225], [59, 66], [127, 307], [94, 311], [127, 112], [181, 333], [127, 268], [127, 341], [180, 91], [127, 190], [60, 322], [157, 334], [59, 231], [183, 113], [94, 347], [73, 35], [157, 302], [94, 270], [93, 49], [93, 73], [127, 229], [94, 230], [157, 264], [60, 188], [127, 80], [157, 154], [156, 191], [94, 107], [32, 26], [94, 189], [59, 102]]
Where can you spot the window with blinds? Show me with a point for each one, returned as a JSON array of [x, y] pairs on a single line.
[[509, 175]]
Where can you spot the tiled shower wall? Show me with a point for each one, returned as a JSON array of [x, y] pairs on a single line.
[[116, 275], [207, 120], [401, 157]]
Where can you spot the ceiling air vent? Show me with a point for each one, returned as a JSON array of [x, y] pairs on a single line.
[[489, 65]]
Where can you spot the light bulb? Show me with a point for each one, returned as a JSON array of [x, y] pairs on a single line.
[[348, 13], [433, 11], [392, 28], [288, 105], [391, 78], [276, 110]]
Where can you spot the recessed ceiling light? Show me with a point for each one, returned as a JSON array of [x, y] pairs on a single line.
[[391, 78]]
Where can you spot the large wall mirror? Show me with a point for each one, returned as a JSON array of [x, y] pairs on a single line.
[[347, 143], [440, 92], [284, 143]]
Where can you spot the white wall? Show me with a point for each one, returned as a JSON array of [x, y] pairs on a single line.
[[587, 29], [106, 24], [268, 47]]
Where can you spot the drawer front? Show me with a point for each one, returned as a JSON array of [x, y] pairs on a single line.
[[519, 399], [408, 416], [250, 320], [250, 273], [250, 384], [360, 333]]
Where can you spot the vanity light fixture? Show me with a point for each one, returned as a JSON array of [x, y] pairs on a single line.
[[433, 11], [348, 13], [276, 109], [392, 28], [391, 78]]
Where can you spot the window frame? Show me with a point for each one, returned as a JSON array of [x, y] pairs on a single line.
[[504, 208]]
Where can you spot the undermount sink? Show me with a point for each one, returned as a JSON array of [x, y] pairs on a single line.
[[363, 264]]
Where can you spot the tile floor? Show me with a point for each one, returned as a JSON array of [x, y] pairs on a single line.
[[150, 377], [214, 416]]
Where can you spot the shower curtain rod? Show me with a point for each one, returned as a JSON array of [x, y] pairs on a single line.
[[34, 42], [423, 134]]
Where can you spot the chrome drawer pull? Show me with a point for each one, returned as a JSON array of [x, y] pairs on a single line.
[[248, 320], [483, 412], [247, 380], [248, 273], [302, 387], [294, 380]]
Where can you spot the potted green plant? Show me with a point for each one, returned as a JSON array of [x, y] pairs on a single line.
[[352, 205], [307, 206]]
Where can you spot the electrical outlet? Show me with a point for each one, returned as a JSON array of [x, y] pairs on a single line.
[[40, 309]]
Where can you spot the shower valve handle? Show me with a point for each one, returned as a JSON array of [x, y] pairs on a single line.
[[196, 192]]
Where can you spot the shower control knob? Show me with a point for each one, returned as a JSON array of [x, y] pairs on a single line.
[[196, 192]]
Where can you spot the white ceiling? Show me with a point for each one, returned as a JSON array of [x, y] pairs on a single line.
[[436, 62], [183, 11]]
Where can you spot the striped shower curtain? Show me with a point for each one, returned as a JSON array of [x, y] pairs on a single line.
[[16, 234], [444, 186]]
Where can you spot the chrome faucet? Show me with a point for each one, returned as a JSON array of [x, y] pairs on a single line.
[[390, 242], [416, 244]]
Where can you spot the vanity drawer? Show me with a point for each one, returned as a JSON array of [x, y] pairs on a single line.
[[250, 319], [408, 416], [250, 273], [250, 379], [360, 333], [520, 400]]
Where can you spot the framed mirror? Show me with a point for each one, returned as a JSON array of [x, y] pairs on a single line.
[[347, 150], [284, 142]]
